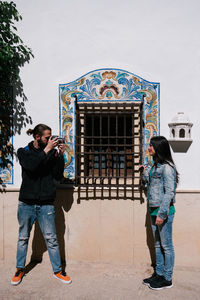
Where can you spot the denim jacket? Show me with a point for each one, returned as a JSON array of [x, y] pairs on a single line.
[[161, 187]]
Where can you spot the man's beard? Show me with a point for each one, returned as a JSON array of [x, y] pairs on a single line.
[[41, 144]]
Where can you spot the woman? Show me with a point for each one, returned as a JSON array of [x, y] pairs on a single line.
[[161, 182]]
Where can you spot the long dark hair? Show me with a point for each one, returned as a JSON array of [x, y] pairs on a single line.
[[163, 152], [39, 129]]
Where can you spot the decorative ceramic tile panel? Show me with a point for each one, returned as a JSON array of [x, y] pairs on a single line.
[[6, 174], [6, 94], [107, 85]]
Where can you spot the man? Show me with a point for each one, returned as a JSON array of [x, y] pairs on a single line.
[[41, 163]]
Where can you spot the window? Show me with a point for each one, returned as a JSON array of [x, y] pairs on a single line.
[[182, 133], [108, 147]]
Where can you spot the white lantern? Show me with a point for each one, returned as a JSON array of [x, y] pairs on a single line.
[[180, 132]]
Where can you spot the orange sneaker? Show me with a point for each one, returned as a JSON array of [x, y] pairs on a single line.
[[17, 278], [62, 276]]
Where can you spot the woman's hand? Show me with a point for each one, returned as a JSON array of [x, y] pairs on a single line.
[[159, 221], [142, 168]]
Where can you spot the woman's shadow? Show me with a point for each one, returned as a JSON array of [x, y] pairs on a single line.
[[150, 239], [63, 203]]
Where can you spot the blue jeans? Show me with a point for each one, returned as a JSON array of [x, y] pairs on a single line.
[[45, 214], [164, 247]]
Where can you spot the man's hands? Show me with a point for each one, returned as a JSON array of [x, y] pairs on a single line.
[[61, 148], [52, 143]]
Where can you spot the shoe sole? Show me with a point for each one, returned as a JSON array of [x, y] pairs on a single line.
[[146, 283], [64, 281], [16, 283], [161, 288]]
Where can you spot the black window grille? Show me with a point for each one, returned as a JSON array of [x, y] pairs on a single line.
[[108, 150]]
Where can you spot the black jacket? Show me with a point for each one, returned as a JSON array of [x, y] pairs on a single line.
[[38, 173]]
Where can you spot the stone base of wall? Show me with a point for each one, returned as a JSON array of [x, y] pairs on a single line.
[[114, 231]]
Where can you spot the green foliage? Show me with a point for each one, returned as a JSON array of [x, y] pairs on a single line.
[[13, 55]]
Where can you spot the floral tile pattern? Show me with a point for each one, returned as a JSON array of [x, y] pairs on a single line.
[[107, 85]]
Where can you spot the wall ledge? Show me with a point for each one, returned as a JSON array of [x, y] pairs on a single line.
[[188, 191], [71, 186]]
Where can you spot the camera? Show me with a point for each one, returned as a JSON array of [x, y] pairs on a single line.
[[60, 139]]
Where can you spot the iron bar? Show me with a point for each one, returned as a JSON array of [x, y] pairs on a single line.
[[108, 148]]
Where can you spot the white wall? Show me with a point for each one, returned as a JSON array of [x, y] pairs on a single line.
[[155, 39]]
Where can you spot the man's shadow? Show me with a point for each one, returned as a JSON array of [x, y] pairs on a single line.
[[63, 203]]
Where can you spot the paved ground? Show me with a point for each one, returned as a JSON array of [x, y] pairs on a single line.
[[96, 281]]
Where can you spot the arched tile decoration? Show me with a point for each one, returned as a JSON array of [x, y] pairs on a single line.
[[107, 85]]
